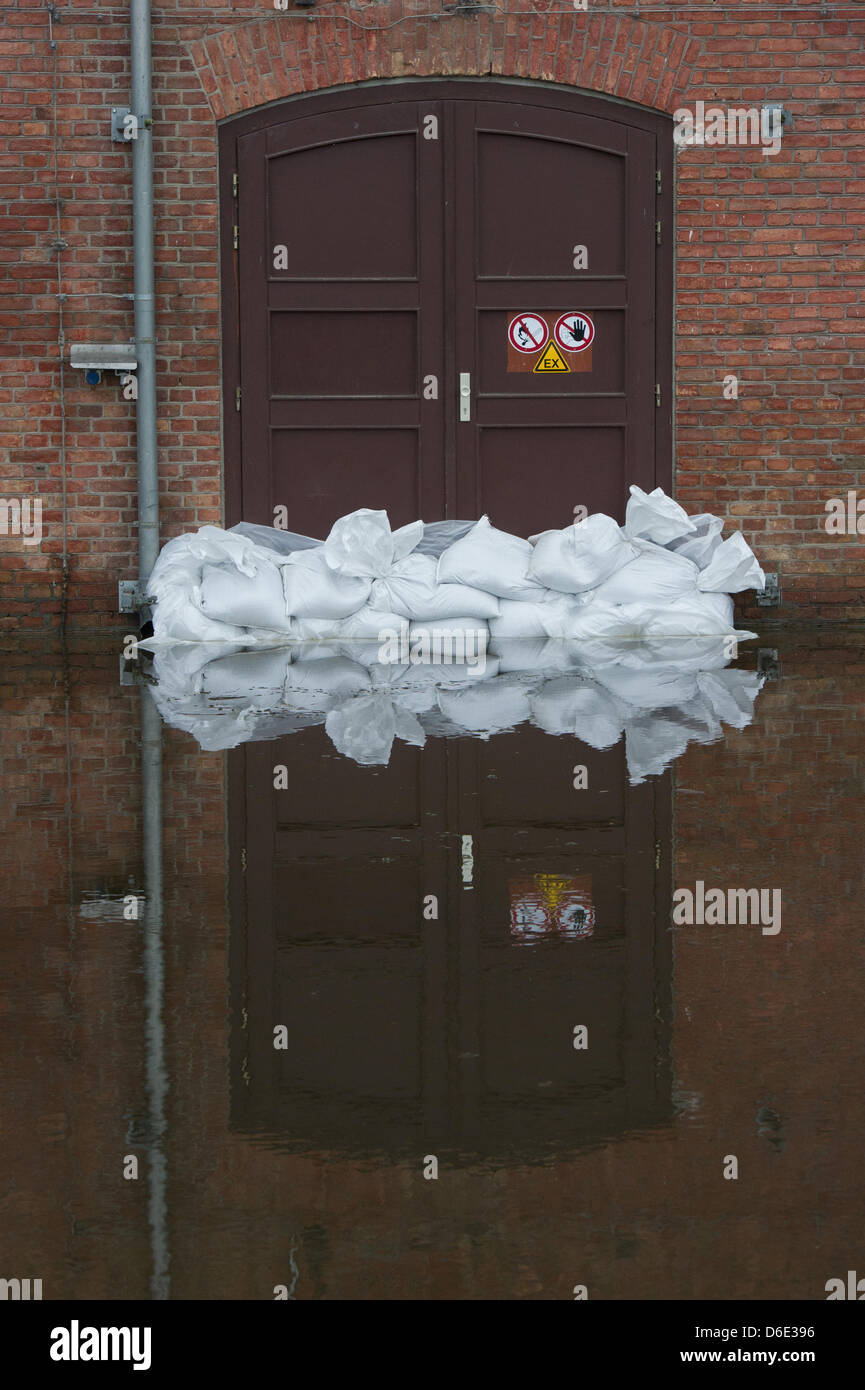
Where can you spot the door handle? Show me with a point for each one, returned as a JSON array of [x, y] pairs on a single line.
[[465, 396]]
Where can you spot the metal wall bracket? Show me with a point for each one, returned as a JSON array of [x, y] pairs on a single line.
[[768, 665], [128, 597], [118, 120], [104, 357], [771, 595]]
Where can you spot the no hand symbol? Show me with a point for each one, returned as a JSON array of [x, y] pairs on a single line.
[[574, 332], [527, 333]]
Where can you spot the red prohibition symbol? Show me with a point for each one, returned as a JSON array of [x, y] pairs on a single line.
[[574, 332], [527, 333]]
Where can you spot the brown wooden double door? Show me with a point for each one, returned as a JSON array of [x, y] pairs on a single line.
[[386, 238]]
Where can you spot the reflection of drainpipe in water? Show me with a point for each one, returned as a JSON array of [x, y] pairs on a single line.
[[154, 977]]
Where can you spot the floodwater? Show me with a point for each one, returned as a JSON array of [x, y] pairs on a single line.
[[370, 1010]]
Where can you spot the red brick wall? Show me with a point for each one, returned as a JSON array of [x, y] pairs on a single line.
[[769, 272]]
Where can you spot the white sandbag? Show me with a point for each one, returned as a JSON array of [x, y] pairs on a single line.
[[313, 590], [548, 618], [619, 622], [692, 616], [438, 535], [176, 575], [580, 556], [492, 560], [568, 705], [701, 544], [732, 568], [411, 588], [362, 545], [655, 577], [654, 516], [273, 537], [258, 600], [367, 625], [517, 620]]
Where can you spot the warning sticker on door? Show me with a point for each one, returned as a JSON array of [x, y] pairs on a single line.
[[551, 342], [551, 360], [528, 333], [574, 332]]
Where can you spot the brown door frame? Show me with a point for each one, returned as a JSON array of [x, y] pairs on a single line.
[[505, 90]]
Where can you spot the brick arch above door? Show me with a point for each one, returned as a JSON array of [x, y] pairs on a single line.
[[250, 65]]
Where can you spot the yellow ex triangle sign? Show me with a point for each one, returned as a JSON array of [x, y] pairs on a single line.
[[550, 360]]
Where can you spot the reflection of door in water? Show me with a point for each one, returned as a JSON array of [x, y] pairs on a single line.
[[456, 1032], [386, 238]]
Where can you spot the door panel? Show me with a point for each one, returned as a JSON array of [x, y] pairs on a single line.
[[341, 314], [536, 185], [374, 265]]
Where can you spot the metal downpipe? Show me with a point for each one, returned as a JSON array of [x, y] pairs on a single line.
[[145, 318]]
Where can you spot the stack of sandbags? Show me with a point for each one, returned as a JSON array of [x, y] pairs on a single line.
[[663, 575]]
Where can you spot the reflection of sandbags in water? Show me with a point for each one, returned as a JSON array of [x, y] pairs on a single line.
[[177, 668], [489, 707], [421, 676], [569, 705], [731, 695], [364, 728], [649, 687], [319, 685], [258, 676], [652, 742]]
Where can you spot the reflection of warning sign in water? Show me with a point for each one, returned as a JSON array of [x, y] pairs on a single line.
[[574, 332], [527, 333], [551, 360]]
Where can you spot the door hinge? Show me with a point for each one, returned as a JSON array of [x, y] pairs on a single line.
[[657, 394], [657, 180], [657, 234], [243, 861], [657, 854], [234, 183], [235, 236], [237, 394]]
